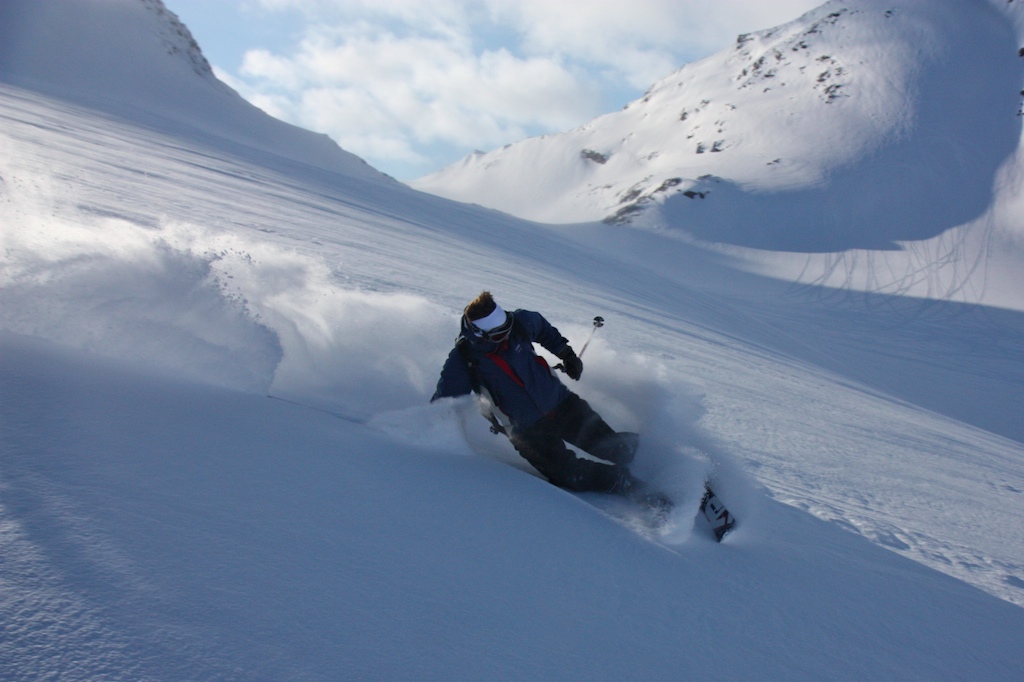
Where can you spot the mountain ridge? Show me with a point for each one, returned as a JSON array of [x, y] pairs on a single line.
[[802, 122], [149, 67]]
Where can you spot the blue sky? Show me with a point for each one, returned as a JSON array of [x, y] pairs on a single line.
[[412, 86]]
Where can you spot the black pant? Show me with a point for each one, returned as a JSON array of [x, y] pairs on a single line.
[[543, 445]]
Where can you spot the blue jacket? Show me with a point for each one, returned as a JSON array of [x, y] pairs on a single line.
[[520, 382]]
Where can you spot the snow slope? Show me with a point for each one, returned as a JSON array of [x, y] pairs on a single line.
[[887, 129], [161, 517]]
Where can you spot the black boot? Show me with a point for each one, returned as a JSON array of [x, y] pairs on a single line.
[[618, 449]]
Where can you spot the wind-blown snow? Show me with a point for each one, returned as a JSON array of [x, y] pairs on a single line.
[[161, 517]]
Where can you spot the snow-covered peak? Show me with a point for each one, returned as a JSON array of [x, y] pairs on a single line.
[[856, 101], [135, 58], [123, 50], [177, 39]]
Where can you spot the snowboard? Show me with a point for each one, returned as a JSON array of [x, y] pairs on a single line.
[[720, 518]]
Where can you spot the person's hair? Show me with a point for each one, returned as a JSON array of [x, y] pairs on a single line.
[[481, 306]]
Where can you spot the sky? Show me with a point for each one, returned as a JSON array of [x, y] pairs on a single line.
[[412, 86]]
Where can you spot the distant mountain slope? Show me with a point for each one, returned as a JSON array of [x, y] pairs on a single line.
[[130, 57], [855, 126]]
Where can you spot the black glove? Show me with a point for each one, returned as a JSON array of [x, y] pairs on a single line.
[[573, 365]]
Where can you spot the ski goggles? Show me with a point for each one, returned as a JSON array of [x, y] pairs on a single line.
[[495, 327]]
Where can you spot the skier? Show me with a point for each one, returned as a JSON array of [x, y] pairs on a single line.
[[494, 357]]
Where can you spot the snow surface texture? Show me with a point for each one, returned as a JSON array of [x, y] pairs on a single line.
[[162, 518], [885, 132]]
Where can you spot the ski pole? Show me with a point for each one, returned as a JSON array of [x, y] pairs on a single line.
[[598, 323]]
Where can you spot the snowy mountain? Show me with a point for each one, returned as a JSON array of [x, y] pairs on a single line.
[[218, 337], [858, 126], [149, 70]]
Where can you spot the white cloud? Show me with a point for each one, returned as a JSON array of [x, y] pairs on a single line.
[[389, 78], [363, 85], [644, 40]]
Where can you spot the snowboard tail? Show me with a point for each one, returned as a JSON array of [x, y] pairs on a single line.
[[720, 518]]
